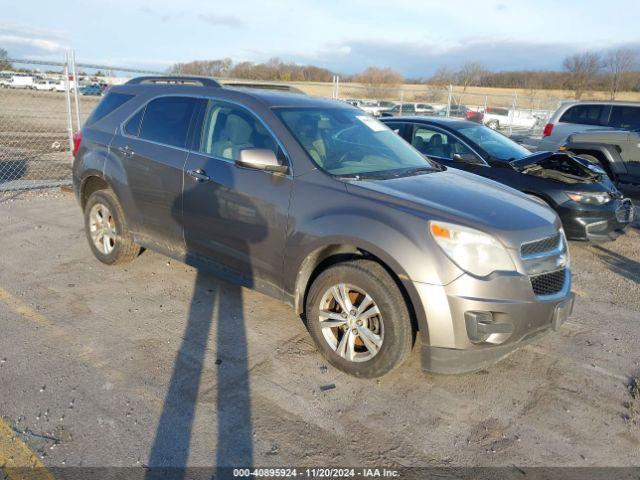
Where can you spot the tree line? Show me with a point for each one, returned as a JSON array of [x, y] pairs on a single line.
[[612, 71]]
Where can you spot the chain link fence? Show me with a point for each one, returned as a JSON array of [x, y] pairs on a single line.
[[41, 105]]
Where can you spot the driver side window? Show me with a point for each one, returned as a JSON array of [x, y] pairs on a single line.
[[437, 143]]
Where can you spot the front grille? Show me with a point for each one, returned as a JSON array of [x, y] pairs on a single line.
[[548, 283], [540, 246]]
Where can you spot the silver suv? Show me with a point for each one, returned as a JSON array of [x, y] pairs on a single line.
[[580, 116], [321, 206]]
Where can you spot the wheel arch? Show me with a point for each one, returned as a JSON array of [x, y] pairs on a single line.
[[327, 255], [607, 155], [91, 183]]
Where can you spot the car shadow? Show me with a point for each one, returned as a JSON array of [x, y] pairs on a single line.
[[623, 266], [215, 306]]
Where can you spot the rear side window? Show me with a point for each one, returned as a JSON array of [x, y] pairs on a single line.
[[166, 120], [133, 125], [584, 115], [627, 118], [109, 103]]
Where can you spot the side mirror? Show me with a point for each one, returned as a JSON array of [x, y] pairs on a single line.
[[467, 158], [260, 159]]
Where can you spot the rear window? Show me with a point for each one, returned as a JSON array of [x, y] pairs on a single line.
[[166, 120], [109, 103], [584, 115], [627, 118]]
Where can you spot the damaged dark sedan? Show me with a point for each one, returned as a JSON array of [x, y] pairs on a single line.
[[587, 201]]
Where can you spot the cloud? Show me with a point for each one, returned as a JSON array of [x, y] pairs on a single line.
[[24, 41], [211, 19], [415, 59], [221, 20]]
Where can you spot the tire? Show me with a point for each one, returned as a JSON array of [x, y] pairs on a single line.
[[119, 247], [493, 124], [363, 355]]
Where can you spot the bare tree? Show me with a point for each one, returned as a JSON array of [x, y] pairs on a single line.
[[379, 81], [470, 74], [4, 60], [619, 63], [444, 76], [582, 68], [208, 68]]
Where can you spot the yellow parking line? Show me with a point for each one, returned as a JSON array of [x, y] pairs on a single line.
[[22, 309], [16, 458]]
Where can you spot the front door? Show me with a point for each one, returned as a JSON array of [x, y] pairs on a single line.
[[235, 218]]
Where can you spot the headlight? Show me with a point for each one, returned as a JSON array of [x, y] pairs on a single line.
[[588, 198], [472, 250]]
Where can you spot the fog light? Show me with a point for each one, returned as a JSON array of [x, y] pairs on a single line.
[[480, 326]]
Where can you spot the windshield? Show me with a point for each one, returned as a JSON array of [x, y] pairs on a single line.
[[494, 143], [349, 143]]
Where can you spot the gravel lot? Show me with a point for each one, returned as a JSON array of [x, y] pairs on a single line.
[[155, 363]]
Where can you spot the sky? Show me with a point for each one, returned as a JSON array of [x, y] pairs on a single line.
[[414, 37]]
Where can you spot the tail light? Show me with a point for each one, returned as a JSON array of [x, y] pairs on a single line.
[[77, 140], [548, 128]]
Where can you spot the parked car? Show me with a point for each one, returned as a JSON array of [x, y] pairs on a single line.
[[368, 106], [409, 109], [589, 204], [325, 208], [615, 151], [464, 112], [499, 117], [45, 85], [91, 90], [581, 116]]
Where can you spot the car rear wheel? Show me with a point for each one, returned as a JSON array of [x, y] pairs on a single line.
[[106, 229], [493, 124], [359, 319]]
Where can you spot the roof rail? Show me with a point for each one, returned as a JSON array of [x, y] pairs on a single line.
[[176, 79], [265, 86]]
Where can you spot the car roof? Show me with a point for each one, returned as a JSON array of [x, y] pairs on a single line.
[[450, 122], [268, 98], [571, 103]]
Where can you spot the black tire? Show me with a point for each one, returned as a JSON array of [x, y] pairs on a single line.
[[124, 248], [493, 124], [398, 332]]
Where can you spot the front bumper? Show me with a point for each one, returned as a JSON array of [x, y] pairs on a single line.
[[516, 316], [599, 223]]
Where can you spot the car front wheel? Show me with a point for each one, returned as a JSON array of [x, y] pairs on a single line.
[[359, 319]]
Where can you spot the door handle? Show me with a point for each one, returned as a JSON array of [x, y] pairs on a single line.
[[199, 174], [126, 151]]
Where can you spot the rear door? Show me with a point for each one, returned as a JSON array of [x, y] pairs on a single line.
[[153, 152], [235, 218], [579, 118]]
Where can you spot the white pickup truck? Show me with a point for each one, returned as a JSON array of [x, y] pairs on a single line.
[[499, 117]]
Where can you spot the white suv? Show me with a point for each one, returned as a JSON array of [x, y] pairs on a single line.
[[579, 116]]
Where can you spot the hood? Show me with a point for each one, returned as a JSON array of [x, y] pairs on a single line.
[[469, 200], [560, 167]]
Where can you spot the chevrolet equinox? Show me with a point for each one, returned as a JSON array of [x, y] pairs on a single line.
[[323, 207]]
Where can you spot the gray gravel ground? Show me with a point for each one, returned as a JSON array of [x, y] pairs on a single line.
[[153, 363]]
